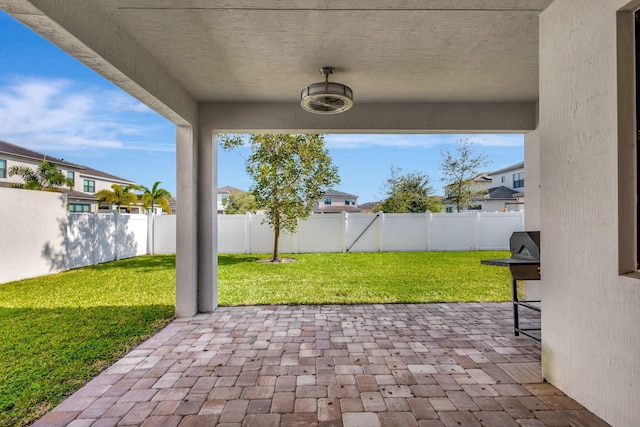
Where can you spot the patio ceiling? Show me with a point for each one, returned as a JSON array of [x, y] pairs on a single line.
[[254, 51]]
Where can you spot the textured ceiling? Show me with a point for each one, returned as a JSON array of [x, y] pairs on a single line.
[[403, 51]]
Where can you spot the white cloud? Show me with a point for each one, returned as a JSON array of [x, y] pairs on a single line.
[[499, 140], [65, 115], [348, 141]]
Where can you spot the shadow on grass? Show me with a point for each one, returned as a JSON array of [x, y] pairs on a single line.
[[47, 354], [235, 259], [142, 263]]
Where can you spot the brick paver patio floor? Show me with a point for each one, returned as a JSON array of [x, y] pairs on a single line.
[[399, 365]]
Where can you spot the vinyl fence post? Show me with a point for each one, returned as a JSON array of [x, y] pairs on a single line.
[[150, 237], [345, 226], [427, 226], [380, 232], [115, 235], [247, 230], [476, 231], [93, 229]]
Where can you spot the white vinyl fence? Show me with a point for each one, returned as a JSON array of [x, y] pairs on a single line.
[[41, 237], [357, 233], [96, 238]]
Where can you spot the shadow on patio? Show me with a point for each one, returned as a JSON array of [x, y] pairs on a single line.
[[359, 365]]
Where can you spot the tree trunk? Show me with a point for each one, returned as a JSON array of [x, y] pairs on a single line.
[[276, 243]]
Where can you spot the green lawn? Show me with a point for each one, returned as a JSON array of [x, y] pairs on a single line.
[[354, 278], [59, 331]]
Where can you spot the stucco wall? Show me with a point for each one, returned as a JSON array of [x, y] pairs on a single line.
[[30, 250], [590, 314], [532, 180]]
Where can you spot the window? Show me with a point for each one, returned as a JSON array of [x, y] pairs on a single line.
[[327, 201], [518, 180], [79, 207], [474, 207], [503, 178], [628, 141], [3, 168], [347, 202], [448, 209], [71, 177], [223, 197], [89, 186]]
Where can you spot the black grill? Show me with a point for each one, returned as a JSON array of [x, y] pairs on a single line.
[[524, 264]]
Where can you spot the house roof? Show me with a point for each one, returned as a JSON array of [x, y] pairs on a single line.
[[368, 205], [336, 193], [15, 150], [498, 193], [227, 189], [338, 209], [25, 153], [94, 172], [483, 177], [480, 179], [518, 165]]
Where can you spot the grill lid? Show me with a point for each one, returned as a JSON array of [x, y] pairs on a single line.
[[525, 245]]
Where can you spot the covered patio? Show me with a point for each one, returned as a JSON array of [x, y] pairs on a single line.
[[357, 365], [562, 72]]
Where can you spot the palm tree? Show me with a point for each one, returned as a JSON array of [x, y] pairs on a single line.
[[119, 195], [156, 196], [46, 177]]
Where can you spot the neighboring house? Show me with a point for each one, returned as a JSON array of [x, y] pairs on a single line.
[[87, 181], [502, 191], [497, 199], [334, 201], [173, 204], [223, 195], [368, 207], [511, 177]]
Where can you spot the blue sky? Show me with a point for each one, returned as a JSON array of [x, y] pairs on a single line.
[[50, 102]]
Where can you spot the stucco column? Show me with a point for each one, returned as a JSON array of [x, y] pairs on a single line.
[[532, 199], [187, 221], [532, 180], [207, 221]]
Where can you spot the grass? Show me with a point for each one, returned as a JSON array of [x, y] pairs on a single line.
[[355, 278], [61, 330]]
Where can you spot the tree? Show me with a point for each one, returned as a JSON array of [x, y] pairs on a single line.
[[119, 195], [240, 202], [290, 173], [46, 177], [408, 192], [459, 168], [155, 196]]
